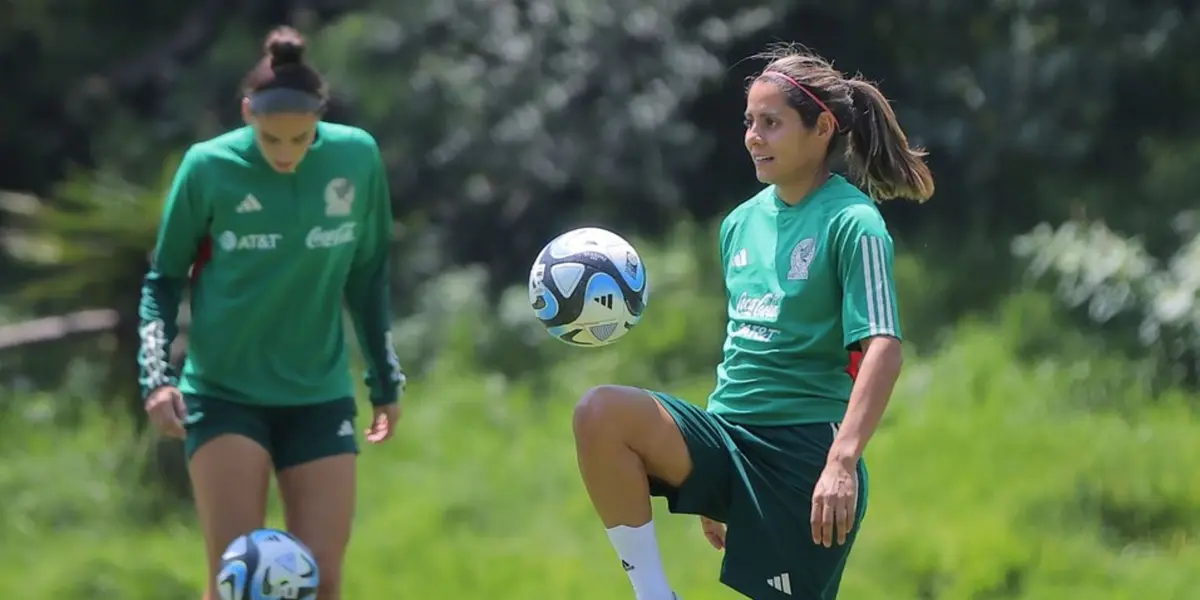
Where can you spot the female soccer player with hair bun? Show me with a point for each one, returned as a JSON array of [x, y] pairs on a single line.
[[276, 225]]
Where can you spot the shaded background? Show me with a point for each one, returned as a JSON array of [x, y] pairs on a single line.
[[1043, 442]]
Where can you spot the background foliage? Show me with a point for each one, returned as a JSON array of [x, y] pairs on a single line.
[[1037, 447]]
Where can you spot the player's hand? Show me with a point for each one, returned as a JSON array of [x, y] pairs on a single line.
[[383, 423], [714, 532], [167, 411], [835, 503]]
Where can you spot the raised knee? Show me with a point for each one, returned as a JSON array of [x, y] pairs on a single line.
[[597, 409]]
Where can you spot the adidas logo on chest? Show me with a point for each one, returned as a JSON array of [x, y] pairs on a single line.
[[249, 204]]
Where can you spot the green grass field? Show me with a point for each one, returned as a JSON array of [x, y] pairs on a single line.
[[989, 480]]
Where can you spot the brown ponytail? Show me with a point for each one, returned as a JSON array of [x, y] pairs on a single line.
[[880, 159]]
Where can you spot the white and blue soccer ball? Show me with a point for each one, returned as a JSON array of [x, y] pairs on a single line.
[[268, 564], [588, 287]]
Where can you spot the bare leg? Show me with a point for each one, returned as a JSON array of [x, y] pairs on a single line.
[[230, 475], [318, 499], [622, 436]]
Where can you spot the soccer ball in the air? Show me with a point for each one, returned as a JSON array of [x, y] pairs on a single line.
[[267, 564], [588, 287]]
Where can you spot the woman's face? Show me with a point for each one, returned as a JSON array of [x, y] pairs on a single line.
[[782, 147], [283, 138]]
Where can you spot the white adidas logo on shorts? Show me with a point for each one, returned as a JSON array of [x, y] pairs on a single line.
[[781, 582]]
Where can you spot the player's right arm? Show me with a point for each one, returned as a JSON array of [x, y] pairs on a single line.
[[183, 226], [725, 240], [714, 531]]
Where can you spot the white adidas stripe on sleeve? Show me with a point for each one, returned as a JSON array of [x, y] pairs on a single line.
[[881, 306]]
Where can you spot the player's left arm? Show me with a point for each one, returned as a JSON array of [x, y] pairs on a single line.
[[368, 291], [871, 323]]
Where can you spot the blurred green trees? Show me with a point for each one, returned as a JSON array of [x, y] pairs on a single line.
[[1050, 289]]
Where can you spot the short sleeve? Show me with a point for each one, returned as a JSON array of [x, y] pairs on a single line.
[[726, 240], [864, 263]]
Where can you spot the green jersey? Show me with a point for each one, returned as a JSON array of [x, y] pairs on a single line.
[[272, 259], [805, 285]]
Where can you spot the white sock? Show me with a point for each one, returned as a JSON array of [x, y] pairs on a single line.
[[638, 549]]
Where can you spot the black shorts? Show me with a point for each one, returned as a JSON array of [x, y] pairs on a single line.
[[759, 482], [292, 435]]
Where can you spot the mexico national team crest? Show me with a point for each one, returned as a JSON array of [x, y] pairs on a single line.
[[802, 257], [339, 197]]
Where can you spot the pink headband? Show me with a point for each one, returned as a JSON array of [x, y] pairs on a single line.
[[808, 93]]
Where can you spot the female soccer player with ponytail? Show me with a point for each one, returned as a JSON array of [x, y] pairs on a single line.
[[276, 226], [774, 465]]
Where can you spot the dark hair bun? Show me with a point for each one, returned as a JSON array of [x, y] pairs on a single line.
[[285, 46]]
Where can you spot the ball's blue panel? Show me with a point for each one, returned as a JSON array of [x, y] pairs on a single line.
[[233, 580]]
